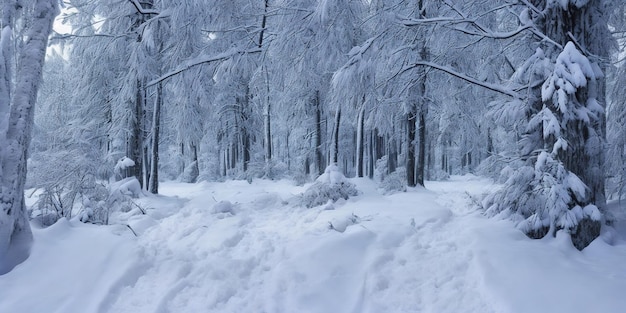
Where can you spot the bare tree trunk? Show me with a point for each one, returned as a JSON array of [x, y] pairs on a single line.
[[371, 158], [360, 137], [156, 129], [421, 156], [135, 142], [410, 155], [334, 154], [267, 131], [319, 158], [392, 154]]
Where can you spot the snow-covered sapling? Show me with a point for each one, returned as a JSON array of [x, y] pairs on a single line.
[[332, 185]]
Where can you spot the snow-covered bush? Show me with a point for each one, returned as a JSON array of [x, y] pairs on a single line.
[[550, 200], [190, 173], [381, 169], [332, 185], [394, 182], [224, 209], [341, 223], [121, 165], [62, 178]]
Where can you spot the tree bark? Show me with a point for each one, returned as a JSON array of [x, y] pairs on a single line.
[[334, 155], [156, 129], [319, 157], [360, 137], [410, 155], [421, 156], [15, 233], [370, 158]]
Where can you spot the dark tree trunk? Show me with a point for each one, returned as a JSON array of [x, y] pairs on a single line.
[[319, 156], [156, 129], [360, 145], [392, 155], [584, 155], [334, 157], [135, 143], [410, 154], [421, 156], [371, 160]]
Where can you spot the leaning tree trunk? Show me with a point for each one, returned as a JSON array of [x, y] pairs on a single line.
[[15, 233]]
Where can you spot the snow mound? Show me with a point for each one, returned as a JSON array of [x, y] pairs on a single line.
[[330, 186], [224, 207]]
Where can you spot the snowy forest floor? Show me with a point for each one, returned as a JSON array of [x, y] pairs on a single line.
[[425, 250]]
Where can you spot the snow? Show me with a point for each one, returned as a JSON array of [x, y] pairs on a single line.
[[123, 164], [250, 247]]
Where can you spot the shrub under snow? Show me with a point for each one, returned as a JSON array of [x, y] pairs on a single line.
[[332, 185]]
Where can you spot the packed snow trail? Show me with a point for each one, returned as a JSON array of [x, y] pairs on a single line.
[[398, 253], [239, 247]]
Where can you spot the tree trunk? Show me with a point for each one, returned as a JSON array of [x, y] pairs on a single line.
[[319, 157], [410, 155], [334, 155], [135, 142], [15, 233], [584, 154], [392, 154], [370, 158], [417, 94], [194, 172], [156, 128], [267, 132], [421, 156], [266, 124], [360, 137]]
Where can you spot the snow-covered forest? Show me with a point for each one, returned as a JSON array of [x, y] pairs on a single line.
[[313, 155]]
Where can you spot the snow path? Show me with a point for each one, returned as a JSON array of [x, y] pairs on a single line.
[[272, 257], [425, 250]]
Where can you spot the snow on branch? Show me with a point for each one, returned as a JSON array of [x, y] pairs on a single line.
[[198, 61], [479, 30], [141, 9], [420, 21], [472, 80]]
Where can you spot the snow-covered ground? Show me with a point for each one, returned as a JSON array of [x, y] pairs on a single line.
[[239, 247]]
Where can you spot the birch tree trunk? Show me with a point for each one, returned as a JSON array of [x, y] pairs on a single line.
[[15, 233]]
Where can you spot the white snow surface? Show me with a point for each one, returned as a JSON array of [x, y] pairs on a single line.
[[240, 247]]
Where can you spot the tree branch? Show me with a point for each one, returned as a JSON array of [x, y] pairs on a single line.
[[140, 8], [471, 80], [198, 61]]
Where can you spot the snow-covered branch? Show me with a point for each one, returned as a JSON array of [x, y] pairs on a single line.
[[58, 36], [198, 61], [479, 30], [141, 9], [472, 80], [421, 21]]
